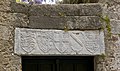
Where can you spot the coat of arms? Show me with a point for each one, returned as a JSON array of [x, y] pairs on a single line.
[[61, 41], [45, 41], [77, 41], [92, 41], [27, 41]]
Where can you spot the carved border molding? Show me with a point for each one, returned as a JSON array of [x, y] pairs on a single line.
[[58, 42]]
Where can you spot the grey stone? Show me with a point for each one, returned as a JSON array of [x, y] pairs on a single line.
[[66, 10], [20, 8], [115, 25], [72, 22], [113, 15], [58, 42]]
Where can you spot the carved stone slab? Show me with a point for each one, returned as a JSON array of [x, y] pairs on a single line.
[[58, 42]]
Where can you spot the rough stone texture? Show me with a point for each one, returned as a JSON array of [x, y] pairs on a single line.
[[5, 32], [14, 19], [115, 24], [113, 15], [5, 5], [111, 61], [66, 9], [58, 42], [20, 8], [8, 61], [12, 14], [72, 22]]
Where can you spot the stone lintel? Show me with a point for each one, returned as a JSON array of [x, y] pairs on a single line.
[[92, 9], [72, 22], [58, 42]]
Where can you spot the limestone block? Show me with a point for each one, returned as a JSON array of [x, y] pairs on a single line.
[[115, 24], [58, 42], [66, 9], [14, 19], [72, 22]]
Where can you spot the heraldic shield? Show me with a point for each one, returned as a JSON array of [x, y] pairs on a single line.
[[27, 41], [61, 40], [92, 42], [77, 40], [45, 41]]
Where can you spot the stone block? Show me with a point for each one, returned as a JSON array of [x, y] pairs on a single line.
[[115, 25], [72, 22], [58, 42], [66, 10], [14, 19], [113, 15], [20, 8]]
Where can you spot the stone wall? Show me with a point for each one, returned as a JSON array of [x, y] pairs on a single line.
[[74, 17], [111, 61], [8, 19]]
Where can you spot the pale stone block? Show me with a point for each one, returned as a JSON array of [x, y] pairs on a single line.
[[58, 42]]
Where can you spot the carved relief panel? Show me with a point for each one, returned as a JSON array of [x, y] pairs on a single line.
[[58, 42]]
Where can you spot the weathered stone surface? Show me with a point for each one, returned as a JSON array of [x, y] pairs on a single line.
[[5, 5], [14, 19], [114, 15], [20, 8], [115, 24], [58, 42], [8, 60], [72, 22], [5, 32], [13, 14], [66, 9]]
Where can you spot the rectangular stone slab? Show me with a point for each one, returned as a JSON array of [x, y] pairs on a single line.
[[58, 42]]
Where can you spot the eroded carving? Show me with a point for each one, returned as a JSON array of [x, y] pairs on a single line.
[[92, 42], [27, 41], [58, 42], [44, 41], [77, 42], [61, 41]]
